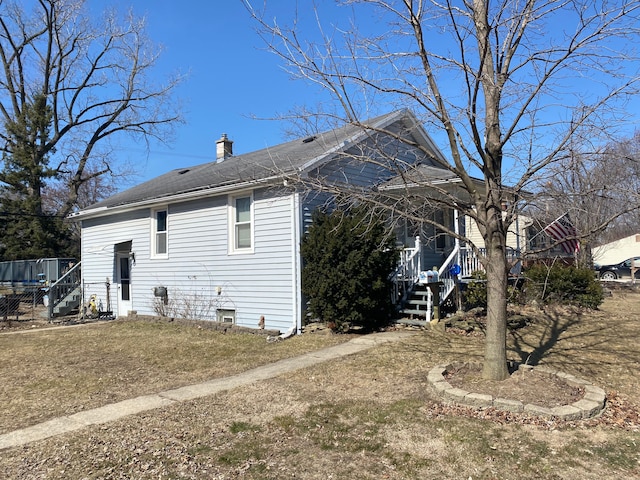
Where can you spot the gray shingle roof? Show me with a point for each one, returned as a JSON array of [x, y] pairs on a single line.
[[421, 175], [249, 167]]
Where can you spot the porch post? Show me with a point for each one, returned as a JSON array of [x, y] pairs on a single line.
[[456, 229], [456, 226]]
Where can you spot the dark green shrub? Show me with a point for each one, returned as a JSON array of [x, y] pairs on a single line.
[[563, 284], [348, 258], [475, 292]]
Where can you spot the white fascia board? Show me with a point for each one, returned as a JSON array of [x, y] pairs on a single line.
[[415, 185], [200, 193], [325, 154]]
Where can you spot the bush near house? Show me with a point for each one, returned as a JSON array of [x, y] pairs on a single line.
[[560, 284], [348, 258], [563, 284], [475, 292]]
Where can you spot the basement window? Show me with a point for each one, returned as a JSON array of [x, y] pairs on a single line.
[[226, 316]]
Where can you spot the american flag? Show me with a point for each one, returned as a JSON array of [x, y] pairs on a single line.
[[561, 230]]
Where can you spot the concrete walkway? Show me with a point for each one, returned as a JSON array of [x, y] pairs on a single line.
[[115, 411]]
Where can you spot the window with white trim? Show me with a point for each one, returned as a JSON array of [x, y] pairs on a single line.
[[241, 223], [159, 234]]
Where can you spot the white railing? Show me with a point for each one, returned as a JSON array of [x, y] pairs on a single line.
[[408, 271], [447, 273], [470, 262], [461, 263]]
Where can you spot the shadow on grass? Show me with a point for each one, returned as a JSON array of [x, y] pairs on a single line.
[[600, 346], [579, 341], [531, 349]]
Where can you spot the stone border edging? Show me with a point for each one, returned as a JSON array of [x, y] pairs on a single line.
[[589, 406]]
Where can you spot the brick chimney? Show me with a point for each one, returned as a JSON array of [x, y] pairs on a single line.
[[224, 148]]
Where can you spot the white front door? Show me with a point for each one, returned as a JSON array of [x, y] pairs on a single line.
[[124, 283]]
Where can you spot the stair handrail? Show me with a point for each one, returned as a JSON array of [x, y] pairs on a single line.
[[62, 287], [446, 275], [407, 272]]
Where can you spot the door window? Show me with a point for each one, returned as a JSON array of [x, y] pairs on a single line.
[[125, 279]]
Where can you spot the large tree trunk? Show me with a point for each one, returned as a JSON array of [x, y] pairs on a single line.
[[495, 356], [494, 51]]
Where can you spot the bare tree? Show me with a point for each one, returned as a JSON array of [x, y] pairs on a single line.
[[505, 85], [598, 187], [625, 158], [95, 76]]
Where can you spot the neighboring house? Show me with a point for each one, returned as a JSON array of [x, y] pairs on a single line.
[[221, 240], [618, 251], [516, 235]]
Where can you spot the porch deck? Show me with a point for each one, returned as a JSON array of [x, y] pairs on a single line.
[[410, 278]]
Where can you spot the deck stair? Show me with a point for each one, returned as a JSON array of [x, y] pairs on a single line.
[[414, 299], [65, 295], [69, 304], [419, 303]]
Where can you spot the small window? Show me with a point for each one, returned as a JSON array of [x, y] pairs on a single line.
[[241, 223], [226, 316], [160, 231]]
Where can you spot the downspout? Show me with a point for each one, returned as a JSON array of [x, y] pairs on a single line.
[[518, 233], [456, 223], [296, 309], [296, 267], [456, 229]]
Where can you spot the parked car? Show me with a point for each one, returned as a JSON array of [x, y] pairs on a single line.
[[620, 270]]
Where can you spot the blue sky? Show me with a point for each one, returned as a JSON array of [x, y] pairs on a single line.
[[231, 77]]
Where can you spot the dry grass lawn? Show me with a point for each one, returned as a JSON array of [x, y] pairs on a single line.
[[367, 416], [57, 372]]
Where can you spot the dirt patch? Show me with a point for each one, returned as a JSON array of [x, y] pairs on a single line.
[[526, 385]]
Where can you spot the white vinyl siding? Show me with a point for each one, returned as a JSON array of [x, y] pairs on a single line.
[[199, 266], [99, 238], [516, 235]]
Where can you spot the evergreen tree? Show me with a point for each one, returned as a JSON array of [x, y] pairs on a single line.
[[27, 231], [348, 260]]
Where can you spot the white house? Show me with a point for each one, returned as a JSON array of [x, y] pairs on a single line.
[[221, 240], [618, 251]]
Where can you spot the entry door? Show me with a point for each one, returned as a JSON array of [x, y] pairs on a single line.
[[124, 283]]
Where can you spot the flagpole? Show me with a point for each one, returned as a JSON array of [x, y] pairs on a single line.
[[543, 230]]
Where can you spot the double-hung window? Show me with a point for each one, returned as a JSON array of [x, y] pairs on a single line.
[[159, 235], [241, 223]]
